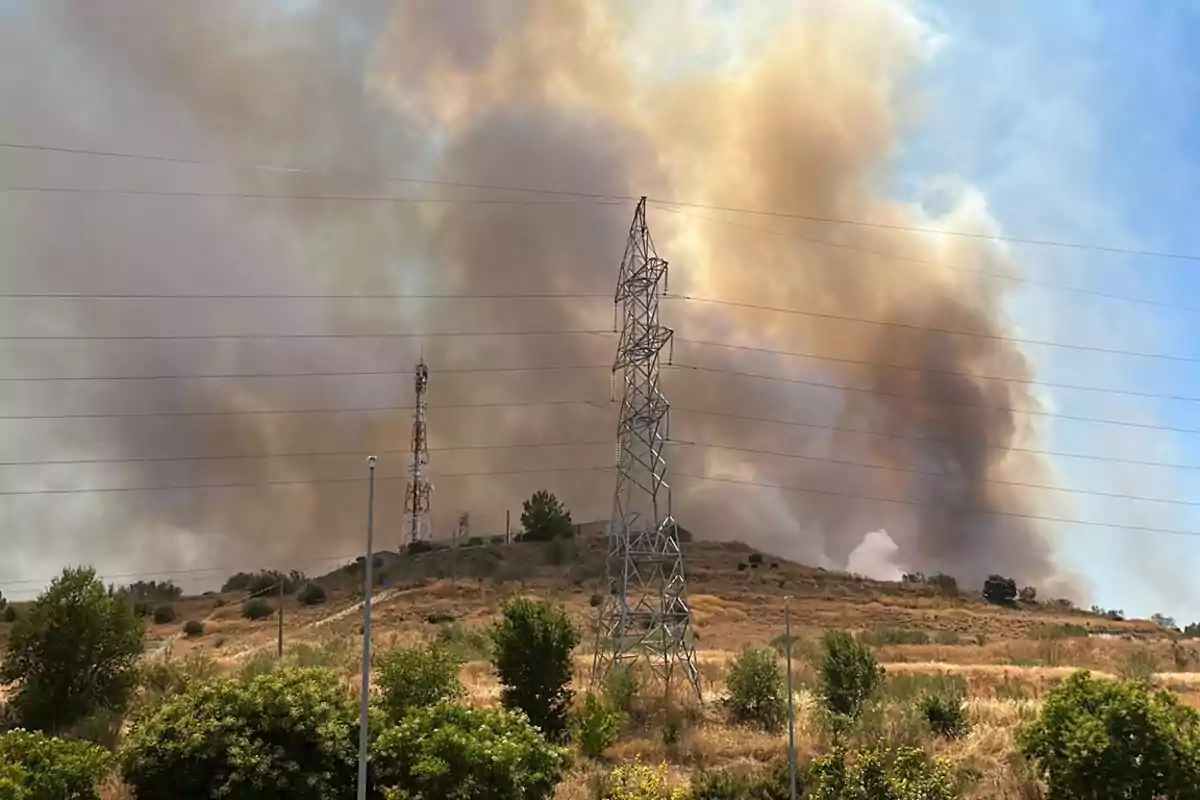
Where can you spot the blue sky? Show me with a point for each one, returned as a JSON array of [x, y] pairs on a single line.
[[1078, 122]]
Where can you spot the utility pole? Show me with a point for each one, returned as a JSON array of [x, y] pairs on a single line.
[[644, 613], [280, 648], [791, 708], [417, 497], [369, 583], [507, 526]]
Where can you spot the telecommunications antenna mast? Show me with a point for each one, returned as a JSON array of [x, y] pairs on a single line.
[[416, 498], [644, 613]]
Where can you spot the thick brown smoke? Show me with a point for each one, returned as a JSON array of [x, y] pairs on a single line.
[[800, 118]]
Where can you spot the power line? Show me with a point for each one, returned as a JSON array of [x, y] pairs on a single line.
[[287, 336], [905, 437], [926, 262], [929, 329], [294, 454], [1018, 515], [572, 444], [931, 371], [274, 375], [289, 482], [948, 403], [613, 199], [932, 473], [251, 412], [320, 198], [152, 296]]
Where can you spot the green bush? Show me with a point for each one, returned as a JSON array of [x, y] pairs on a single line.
[[72, 653], [906, 773], [771, 782], [756, 691], [1097, 738], [38, 767], [257, 608], [544, 518], [946, 715], [417, 677], [621, 688], [448, 751], [596, 726], [193, 628], [469, 644], [849, 675], [534, 643], [311, 594], [291, 733], [164, 615], [266, 580], [638, 781]]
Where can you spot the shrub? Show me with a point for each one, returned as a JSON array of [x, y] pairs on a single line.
[[3, 602], [771, 782], [534, 643], [311, 594], [621, 687], [754, 559], [946, 715], [291, 733], [164, 615], [544, 518], [638, 781], [906, 773], [757, 694], [849, 675], [9, 614], [474, 541], [496, 540], [1028, 594], [469, 644], [257, 608], [417, 677], [1097, 738], [999, 590], [37, 767], [73, 652], [596, 726], [418, 547], [193, 628], [264, 581], [596, 600], [467, 754]]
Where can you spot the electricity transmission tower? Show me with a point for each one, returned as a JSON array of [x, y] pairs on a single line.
[[416, 498], [644, 613]]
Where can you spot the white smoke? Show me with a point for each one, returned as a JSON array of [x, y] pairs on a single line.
[[875, 557]]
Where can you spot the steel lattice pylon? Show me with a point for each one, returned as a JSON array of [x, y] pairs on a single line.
[[644, 613], [417, 496]]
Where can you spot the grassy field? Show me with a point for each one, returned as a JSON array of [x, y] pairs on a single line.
[[1003, 659]]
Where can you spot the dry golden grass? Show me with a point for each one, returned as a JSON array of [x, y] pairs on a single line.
[[1007, 659]]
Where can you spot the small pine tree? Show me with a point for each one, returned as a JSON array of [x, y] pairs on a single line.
[[849, 676], [534, 644], [544, 518]]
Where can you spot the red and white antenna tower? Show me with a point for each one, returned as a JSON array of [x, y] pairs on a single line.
[[417, 496]]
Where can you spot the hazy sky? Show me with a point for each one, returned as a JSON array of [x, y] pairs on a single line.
[[1066, 121]]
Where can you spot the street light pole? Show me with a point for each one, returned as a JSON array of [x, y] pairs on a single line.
[[369, 582], [787, 632]]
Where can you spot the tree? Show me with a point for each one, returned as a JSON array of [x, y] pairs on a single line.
[[544, 518], [417, 677], [534, 643], [1099, 738], [34, 766], [1163, 621], [291, 733], [467, 754], [757, 693], [850, 675], [74, 651], [313, 594], [999, 590]]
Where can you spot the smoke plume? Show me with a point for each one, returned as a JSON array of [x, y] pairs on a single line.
[[894, 423]]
